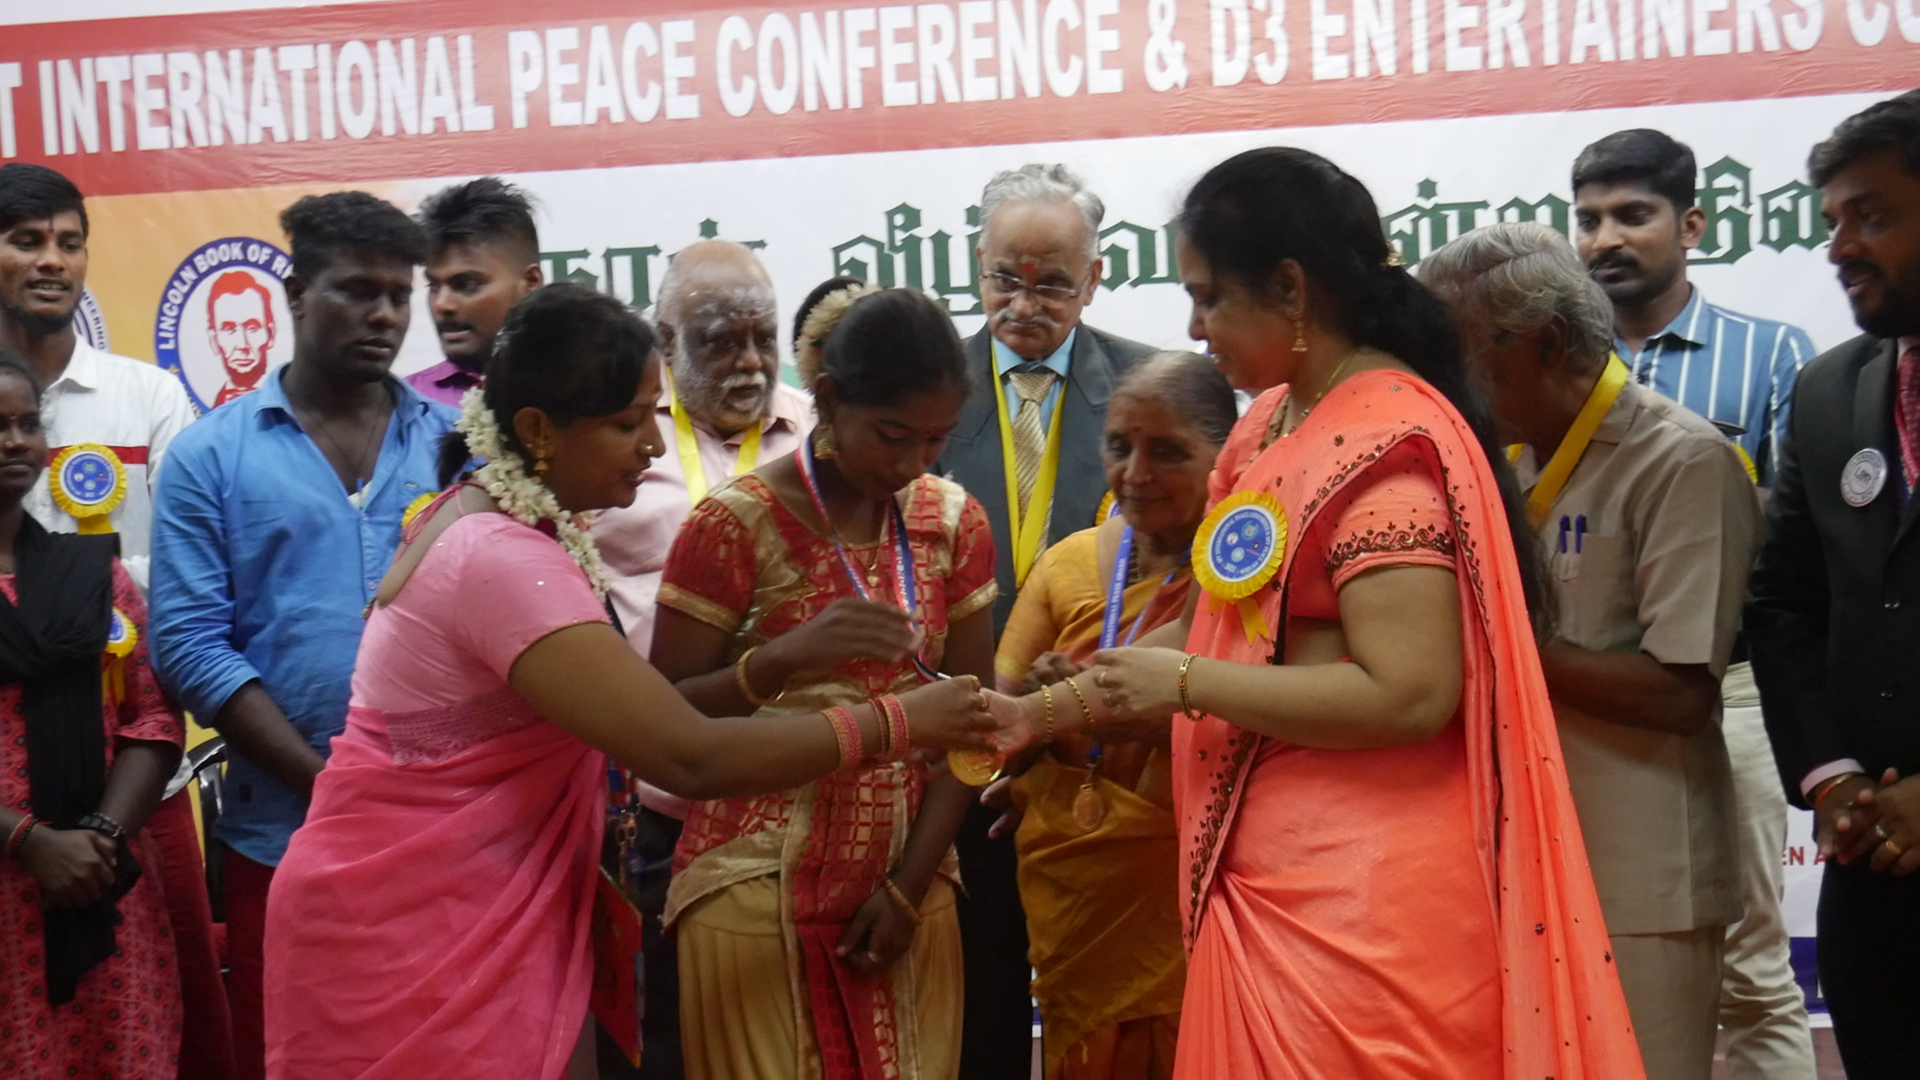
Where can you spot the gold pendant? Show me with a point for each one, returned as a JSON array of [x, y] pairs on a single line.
[[975, 768], [1089, 806]]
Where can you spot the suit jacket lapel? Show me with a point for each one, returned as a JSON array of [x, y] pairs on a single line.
[[1873, 427], [1082, 477], [978, 417]]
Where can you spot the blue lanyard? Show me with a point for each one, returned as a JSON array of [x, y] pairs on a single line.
[[903, 571], [1116, 599]]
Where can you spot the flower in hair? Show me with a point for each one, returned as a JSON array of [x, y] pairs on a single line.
[[809, 351], [522, 497]]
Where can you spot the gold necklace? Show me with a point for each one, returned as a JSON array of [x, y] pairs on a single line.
[[1325, 389]]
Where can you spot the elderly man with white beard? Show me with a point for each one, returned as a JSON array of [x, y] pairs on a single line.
[[723, 412]]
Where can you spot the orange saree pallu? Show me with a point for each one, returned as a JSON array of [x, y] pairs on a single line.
[[1415, 911]]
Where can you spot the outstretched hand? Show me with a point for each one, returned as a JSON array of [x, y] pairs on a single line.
[[953, 714], [1048, 669], [1142, 688]]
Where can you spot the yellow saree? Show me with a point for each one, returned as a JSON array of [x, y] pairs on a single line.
[[1102, 903]]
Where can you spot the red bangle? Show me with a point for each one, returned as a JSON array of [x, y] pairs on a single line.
[[895, 740], [846, 733], [19, 835]]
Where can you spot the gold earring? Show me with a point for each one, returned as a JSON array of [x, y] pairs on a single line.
[[1300, 332], [540, 465], [824, 448]]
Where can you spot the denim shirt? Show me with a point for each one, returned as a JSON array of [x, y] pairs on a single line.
[[262, 568]]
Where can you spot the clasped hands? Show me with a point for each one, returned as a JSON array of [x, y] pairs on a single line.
[[1857, 817]]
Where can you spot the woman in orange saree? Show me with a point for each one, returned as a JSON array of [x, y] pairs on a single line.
[[1097, 839], [1382, 874]]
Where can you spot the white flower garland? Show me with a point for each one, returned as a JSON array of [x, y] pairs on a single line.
[[521, 497]]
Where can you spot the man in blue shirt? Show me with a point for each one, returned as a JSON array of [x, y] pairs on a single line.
[[275, 520], [1634, 205]]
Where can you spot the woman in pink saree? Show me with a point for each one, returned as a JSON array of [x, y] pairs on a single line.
[[1381, 871], [432, 916]]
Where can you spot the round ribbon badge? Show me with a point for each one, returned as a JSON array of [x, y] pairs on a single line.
[[88, 481], [1863, 477], [121, 635], [1238, 549]]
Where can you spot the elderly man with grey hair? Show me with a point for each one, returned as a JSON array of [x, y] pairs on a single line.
[[1051, 374], [1650, 525]]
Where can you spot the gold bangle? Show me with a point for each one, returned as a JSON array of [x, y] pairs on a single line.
[[1085, 709], [900, 898], [1826, 786], [1046, 699], [741, 682], [1186, 703]]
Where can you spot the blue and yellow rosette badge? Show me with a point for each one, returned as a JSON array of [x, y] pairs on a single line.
[[88, 481], [1238, 549], [122, 635]]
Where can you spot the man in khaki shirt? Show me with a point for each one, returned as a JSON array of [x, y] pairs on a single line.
[[1648, 540]]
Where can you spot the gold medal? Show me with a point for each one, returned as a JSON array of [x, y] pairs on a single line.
[[1089, 806], [975, 768]]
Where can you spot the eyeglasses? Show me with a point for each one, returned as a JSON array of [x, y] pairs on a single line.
[[1008, 285]]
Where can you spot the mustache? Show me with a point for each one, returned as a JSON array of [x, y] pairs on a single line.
[[449, 326], [742, 380], [1857, 268], [1040, 320], [1613, 260]]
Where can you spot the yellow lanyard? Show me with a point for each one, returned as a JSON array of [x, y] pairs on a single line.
[[1573, 446], [1028, 534], [689, 446]]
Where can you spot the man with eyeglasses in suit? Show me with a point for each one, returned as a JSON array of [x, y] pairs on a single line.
[[1039, 268]]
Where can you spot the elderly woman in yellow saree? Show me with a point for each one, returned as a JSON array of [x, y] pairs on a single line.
[[1097, 840]]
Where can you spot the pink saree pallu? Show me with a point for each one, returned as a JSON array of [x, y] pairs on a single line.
[[432, 917]]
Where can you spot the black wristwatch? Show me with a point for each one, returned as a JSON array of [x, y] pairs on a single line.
[[103, 825]]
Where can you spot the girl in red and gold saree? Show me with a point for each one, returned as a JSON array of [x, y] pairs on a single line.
[[1381, 871], [1097, 838], [817, 932], [431, 918]]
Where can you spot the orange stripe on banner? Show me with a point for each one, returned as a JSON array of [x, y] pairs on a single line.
[[429, 88]]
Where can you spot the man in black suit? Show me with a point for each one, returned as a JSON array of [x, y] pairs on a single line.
[[1834, 616], [1044, 377]]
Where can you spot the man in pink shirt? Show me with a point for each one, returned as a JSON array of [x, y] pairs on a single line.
[[724, 413], [483, 256]]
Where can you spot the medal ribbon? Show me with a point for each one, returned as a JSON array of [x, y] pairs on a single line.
[[688, 445], [1116, 595], [1028, 531], [903, 572], [1573, 446]]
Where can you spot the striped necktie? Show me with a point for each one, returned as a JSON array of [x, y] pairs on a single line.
[[1031, 381]]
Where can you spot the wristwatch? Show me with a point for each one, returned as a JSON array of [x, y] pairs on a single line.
[[103, 825]]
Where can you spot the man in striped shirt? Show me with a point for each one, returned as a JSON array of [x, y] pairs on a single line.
[[1635, 208]]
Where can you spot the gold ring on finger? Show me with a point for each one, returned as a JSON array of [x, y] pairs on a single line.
[[1893, 849]]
